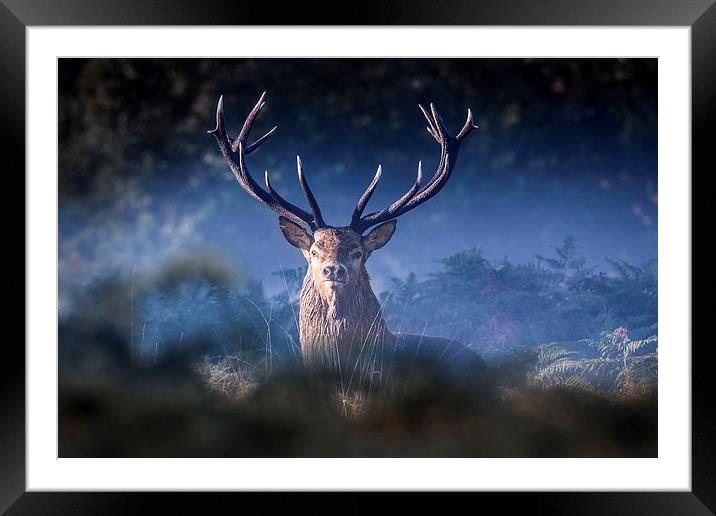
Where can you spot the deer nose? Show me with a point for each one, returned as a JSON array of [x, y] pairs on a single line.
[[334, 272]]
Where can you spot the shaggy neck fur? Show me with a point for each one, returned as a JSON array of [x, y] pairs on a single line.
[[346, 326]]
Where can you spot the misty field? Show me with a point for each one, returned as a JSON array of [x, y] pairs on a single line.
[[188, 362]]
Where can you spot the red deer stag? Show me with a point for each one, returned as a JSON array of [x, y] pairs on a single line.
[[341, 321]]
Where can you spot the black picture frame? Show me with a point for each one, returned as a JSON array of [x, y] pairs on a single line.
[[17, 15]]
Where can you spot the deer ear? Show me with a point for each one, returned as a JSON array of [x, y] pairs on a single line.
[[295, 234], [379, 236]]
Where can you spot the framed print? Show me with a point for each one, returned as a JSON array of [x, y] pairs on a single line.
[[431, 249]]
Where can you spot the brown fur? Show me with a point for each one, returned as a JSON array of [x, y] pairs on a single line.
[[342, 325]]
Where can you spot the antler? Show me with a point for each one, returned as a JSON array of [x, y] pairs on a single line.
[[414, 197], [235, 152]]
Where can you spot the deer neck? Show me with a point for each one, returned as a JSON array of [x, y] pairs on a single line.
[[333, 329]]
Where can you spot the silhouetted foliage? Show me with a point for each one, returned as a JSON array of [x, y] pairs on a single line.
[[495, 307]]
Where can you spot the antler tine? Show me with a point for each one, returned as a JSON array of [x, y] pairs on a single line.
[[431, 128], [220, 129], [317, 217], [363, 201], [252, 147], [246, 128], [468, 127], [439, 124], [449, 147], [298, 212], [410, 193], [233, 149], [271, 199]]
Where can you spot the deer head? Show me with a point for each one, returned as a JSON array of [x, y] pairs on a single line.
[[336, 256]]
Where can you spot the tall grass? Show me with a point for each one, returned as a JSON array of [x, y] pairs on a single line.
[[223, 365]]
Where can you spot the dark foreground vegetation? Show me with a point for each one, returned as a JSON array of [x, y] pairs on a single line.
[[167, 413], [188, 363]]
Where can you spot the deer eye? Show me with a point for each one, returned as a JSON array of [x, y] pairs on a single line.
[[314, 253], [357, 255]]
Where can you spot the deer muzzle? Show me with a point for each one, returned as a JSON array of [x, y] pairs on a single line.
[[335, 274]]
